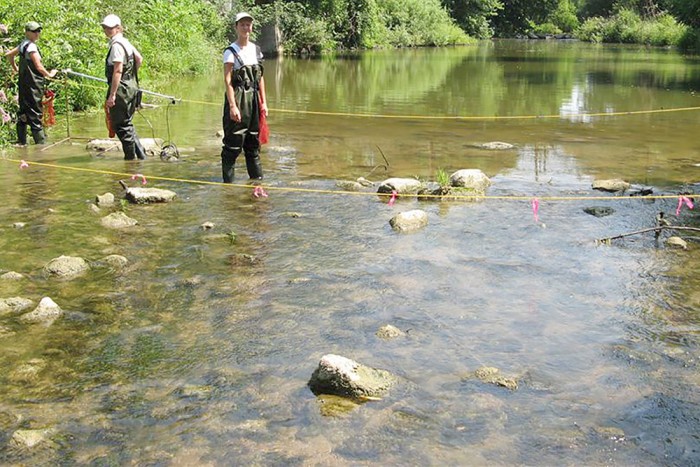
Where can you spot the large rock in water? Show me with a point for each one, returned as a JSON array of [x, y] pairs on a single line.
[[46, 312], [342, 376], [400, 185], [14, 305], [471, 179], [66, 267], [612, 185], [152, 146], [149, 195], [118, 220], [409, 221]]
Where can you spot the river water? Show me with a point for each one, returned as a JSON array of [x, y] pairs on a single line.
[[198, 352]]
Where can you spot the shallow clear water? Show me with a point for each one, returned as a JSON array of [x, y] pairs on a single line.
[[195, 354]]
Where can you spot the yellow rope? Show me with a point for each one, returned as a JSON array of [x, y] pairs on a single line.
[[343, 192], [444, 117], [467, 117]]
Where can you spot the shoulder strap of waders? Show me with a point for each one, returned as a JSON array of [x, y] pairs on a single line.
[[235, 55]]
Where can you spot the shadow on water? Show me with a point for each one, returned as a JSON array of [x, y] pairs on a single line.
[[198, 351]]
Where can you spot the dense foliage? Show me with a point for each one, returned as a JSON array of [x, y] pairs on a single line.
[[174, 36]]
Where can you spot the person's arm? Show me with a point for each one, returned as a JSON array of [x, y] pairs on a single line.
[[138, 59], [36, 60], [263, 96], [116, 78], [234, 111], [11, 54]]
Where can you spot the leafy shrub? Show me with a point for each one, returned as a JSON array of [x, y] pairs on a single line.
[[626, 26]]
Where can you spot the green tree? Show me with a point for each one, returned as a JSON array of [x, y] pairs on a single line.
[[474, 16]]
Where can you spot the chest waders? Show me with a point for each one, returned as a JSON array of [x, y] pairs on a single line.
[[31, 92], [243, 135], [125, 105]]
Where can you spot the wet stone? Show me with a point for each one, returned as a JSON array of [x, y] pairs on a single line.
[[19, 225], [341, 376], [46, 312], [400, 185], [472, 179], [106, 199], [14, 305], [599, 211], [492, 375], [496, 146], [612, 185], [118, 220], [409, 221], [66, 267], [347, 185], [677, 242], [11, 276], [149, 195], [115, 261], [389, 332]]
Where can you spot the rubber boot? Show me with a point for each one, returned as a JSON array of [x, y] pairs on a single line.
[[129, 149], [22, 133], [228, 161], [253, 164], [138, 148], [39, 136]]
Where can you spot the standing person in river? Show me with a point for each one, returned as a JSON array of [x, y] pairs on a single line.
[[123, 96], [31, 84], [244, 103]]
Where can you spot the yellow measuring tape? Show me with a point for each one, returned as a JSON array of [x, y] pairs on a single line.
[[24, 164]]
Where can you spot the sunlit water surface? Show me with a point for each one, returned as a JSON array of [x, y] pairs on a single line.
[[196, 354]]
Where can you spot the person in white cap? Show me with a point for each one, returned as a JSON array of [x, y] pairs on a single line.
[[123, 96], [31, 84], [245, 101]]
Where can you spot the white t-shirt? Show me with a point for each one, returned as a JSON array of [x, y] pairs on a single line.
[[248, 54], [30, 48], [118, 53]]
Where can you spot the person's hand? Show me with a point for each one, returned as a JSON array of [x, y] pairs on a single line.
[[235, 114], [111, 100], [263, 109], [53, 73]]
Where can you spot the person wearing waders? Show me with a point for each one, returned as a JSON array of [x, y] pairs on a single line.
[[244, 102], [31, 84], [123, 96]]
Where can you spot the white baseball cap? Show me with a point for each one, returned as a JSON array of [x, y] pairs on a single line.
[[242, 15], [111, 21]]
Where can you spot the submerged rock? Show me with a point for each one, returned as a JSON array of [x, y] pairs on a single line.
[[66, 267], [46, 312], [115, 261], [409, 221], [677, 242], [118, 220], [28, 439], [14, 305], [496, 146], [389, 332], [349, 185], [11, 276], [152, 146], [149, 195], [612, 185], [342, 376], [492, 375], [599, 211], [400, 185], [106, 199]]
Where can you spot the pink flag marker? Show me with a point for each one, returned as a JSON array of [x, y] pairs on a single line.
[[392, 200], [141, 176], [535, 208], [681, 201], [23, 164], [259, 192]]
